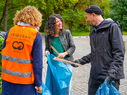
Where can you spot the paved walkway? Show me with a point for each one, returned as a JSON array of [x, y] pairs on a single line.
[[81, 74]]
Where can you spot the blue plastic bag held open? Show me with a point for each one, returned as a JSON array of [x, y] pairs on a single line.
[[45, 90], [58, 76], [107, 89]]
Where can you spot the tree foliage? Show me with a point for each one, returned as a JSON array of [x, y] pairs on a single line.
[[72, 11], [119, 12], [75, 17]]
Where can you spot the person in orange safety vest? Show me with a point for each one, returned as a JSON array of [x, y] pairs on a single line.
[[22, 54]]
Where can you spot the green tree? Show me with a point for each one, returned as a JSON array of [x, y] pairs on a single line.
[[8, 8], [119, 12], [71, 10], [75, 15]]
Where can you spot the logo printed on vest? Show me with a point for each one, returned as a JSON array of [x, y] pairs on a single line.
[[20, 35], [18, 45]]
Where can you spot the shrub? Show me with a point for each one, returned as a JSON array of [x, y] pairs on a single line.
[[1, 43]]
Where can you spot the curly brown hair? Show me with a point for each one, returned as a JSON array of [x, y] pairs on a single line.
[[51, 21], [30, 15]]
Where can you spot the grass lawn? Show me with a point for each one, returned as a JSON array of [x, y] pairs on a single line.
[[77, 33], [80, 33], [124, 33], [85, 33]]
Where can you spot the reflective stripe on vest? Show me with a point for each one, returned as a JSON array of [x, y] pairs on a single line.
[[16, 73], [24, 61], [17, 64]]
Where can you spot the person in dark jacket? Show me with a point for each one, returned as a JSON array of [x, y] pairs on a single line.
[[61, 40], [107, 50]]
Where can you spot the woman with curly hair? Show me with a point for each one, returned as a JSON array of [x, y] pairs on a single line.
[[22, 54], [61, 40]]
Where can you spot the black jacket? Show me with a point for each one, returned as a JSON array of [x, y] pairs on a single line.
[[107, 51], [66, 41]]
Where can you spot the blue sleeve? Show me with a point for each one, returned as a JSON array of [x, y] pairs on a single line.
[[37, 59], [4, 44]]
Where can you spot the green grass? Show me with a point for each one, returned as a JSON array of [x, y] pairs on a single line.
[[124, 33], [80, 33], [76, 33], [43, 32], [85, 33]]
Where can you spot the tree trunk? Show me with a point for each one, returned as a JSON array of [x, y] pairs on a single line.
[[5, 15], [70, 26], [12, 8], [1, 20]]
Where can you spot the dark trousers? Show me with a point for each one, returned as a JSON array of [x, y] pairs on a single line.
[[17, 89], [94, 84]]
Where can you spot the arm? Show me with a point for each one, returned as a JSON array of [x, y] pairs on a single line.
[[4, 43], [62, 55], [37, 59], [118, 50], [85, 59], [71, 48], [46, 43], [68, 44]]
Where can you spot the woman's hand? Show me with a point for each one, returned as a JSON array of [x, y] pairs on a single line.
[[46, 53], [62, 55], [38, 89]]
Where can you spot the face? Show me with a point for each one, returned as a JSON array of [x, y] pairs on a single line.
[[58, 24], [90, 18]]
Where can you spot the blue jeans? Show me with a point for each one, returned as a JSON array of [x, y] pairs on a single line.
[[69, 90]]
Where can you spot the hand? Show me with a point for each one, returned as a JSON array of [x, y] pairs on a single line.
[[111, 77], [46, 53], [38, 89], [76, 61], [62, 55], [74, 65]]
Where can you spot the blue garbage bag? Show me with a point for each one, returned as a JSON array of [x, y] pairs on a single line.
[[113, 90], [58, 76], [45, 90], [107, 89]]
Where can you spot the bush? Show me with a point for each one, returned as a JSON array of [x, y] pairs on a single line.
[[81, 28], [1, 43]]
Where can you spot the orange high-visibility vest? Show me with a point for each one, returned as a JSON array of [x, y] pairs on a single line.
[[17, 64]]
